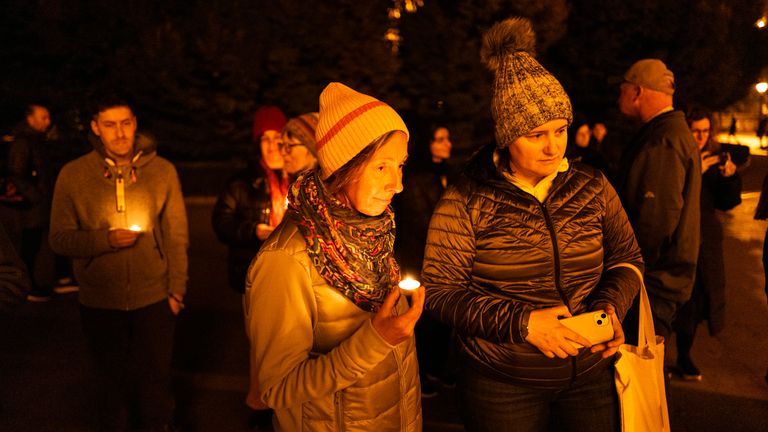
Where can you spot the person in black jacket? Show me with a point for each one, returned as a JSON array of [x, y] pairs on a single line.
[[425, 180], [524, 239], [253, 202], [14, 282], [720, 190], [249, 208], [660, 187], [29, 170]]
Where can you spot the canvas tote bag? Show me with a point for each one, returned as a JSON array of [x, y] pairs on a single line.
[[639, 375]]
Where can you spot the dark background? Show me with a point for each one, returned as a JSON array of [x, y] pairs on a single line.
[[198, 69]]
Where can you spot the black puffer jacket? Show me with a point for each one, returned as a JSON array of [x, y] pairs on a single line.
[[494, 253], [244, 203]]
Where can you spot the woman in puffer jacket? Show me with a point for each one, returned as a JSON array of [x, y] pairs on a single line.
[[526, 238], [331, 338]]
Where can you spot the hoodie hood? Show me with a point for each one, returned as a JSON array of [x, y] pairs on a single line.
[[144, 143]]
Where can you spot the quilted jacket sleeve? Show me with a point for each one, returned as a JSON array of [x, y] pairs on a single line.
[[282, 339], [451, 295]]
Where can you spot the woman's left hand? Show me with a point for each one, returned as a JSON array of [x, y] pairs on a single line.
[[609, 348]]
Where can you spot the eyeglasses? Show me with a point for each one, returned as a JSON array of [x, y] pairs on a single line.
[[288, 148]]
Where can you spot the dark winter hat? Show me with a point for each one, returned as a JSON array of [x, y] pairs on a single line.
[[267, 118], [525, 95], [303, 128], [652, 74]]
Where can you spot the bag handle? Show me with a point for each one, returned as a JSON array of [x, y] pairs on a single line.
[[646, 333]]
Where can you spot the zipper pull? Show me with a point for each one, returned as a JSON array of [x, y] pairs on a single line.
[[120, 192]]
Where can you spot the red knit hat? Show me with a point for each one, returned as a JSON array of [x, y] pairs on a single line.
[[267, 118]]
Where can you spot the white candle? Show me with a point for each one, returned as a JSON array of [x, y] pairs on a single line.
[[408, 285]]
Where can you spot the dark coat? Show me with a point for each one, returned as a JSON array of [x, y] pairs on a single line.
[[422, 189], [29, 169], [14, 282], [495, 253], [717, 193], [244, 203], [661, 193]]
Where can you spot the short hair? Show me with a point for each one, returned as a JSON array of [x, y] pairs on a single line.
[[346, 174], [696, 113], [103, 101]]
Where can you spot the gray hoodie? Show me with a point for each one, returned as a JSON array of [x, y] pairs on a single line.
[[85, 209]]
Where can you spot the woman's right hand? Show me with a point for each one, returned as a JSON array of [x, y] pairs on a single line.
[[397, 328], [707, 160], [546, 333]]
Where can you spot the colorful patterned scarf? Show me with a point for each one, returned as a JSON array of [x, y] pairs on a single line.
[[351, 251]]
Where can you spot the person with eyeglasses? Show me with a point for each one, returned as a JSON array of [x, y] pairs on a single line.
[[299, 147], [720, 190], [250, 207]]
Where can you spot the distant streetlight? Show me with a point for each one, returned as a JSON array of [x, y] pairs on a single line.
[[761, 88]]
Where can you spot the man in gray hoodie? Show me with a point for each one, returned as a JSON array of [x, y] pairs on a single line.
[[119, 213]]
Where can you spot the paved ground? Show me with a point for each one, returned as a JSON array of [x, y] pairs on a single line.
[[43, 372]]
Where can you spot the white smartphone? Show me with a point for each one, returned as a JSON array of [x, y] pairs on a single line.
[[595, 326]]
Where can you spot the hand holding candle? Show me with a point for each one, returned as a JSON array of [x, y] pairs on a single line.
[[122, 238], [394, 326]]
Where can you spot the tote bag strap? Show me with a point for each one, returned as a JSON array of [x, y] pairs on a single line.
[[646, 333]]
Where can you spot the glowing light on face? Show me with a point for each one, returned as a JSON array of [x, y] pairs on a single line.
[[270, 149], [538, 153], [116, 127], [380, 178]]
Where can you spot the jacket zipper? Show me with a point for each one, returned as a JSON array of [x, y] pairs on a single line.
[[403, 390], [558, 282], [337, 399], [556, 252]]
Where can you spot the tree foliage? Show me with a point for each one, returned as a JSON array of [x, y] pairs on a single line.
[[198, 69]]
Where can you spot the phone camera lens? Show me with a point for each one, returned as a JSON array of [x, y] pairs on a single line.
[[599, 322], [602, 316]]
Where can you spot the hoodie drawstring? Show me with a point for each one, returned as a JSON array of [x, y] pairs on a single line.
[[120, 181]]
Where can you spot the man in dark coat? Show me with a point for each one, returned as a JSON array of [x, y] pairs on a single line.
[[661, 189], [30, 174]]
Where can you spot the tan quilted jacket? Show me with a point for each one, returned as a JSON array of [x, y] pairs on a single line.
[[321, 364]]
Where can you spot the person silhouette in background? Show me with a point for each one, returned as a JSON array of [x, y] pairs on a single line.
[[29, 171], [249, 208], [426, 178], [720, 190]]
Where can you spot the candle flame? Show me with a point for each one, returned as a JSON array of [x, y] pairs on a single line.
[[135, 228], [409, 284]]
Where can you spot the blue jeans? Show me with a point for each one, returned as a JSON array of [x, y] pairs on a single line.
[[586, 405]]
